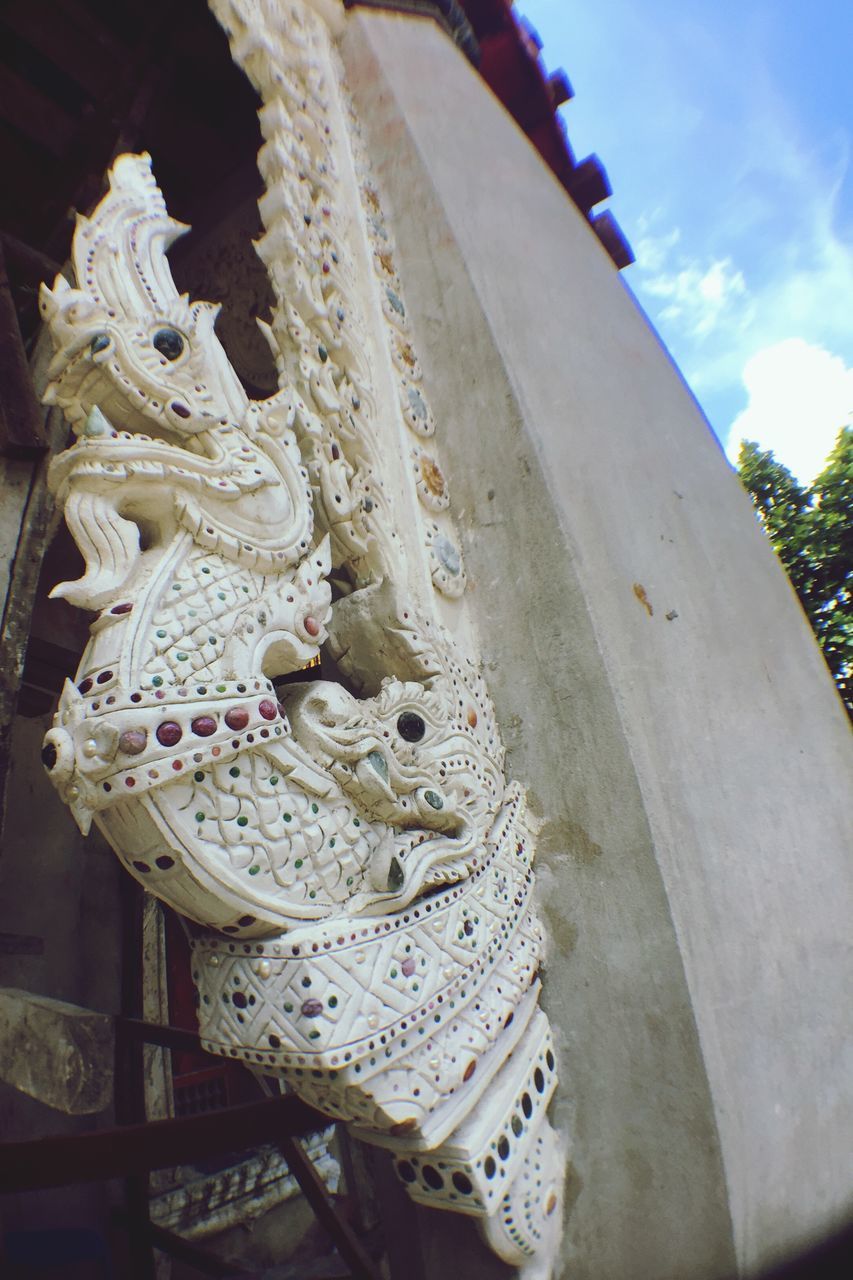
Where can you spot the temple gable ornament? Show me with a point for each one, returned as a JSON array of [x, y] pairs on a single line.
[[358, 862]]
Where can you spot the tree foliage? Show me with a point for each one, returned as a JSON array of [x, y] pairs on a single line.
[[811, 529]]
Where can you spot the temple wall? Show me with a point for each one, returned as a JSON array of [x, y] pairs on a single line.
[[660, 693]]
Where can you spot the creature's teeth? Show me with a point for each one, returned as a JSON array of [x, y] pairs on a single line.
[[96, 423]]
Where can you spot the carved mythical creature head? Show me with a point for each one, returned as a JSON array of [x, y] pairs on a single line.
[[411, 764], [125, 340]]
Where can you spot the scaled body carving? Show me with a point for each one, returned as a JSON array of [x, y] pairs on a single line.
[[363, 860], [196, 527]]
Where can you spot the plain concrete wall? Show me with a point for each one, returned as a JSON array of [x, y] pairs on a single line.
[[693, 770]]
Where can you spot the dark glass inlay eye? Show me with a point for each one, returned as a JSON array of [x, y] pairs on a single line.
[[410, 726], [168, 342], [99, 343], [48, 755]]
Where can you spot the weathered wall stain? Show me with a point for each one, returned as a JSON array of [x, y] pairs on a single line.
[[640, 593]]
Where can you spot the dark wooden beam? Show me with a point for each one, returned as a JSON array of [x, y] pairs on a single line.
[[139, 1032], [21, 415], [345, 1240], [27, 263], [208, 1264], [613, 238], [560, 88], [67, 36], [138, 1148], [588, 183], [33, 114]]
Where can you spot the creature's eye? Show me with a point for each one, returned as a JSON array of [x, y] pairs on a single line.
[[410, 726], [168, 342], [100, 342]]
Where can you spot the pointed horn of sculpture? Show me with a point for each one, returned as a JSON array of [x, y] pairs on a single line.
[[120, 256]]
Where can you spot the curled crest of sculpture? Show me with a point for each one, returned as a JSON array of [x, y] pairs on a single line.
[[359, 864]]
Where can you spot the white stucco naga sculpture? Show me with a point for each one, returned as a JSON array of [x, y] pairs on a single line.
[[359, 864]]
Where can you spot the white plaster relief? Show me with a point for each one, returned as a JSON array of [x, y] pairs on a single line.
[[445, 557], [317, 331], [364, 860], [430, 481]]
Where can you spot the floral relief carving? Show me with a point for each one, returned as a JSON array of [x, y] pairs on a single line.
[[447, 570], [360, 865]]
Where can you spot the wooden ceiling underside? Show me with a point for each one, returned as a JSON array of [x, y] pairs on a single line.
[[82, 80]]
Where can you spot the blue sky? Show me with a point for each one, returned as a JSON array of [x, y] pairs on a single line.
[[726, 129]]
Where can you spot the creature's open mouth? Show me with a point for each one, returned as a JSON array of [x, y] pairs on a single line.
[[407, 864]]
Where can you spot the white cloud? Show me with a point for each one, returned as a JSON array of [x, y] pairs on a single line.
[[653, 250], [696, 296], [774, 260], [800, 396], [733, 185]]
